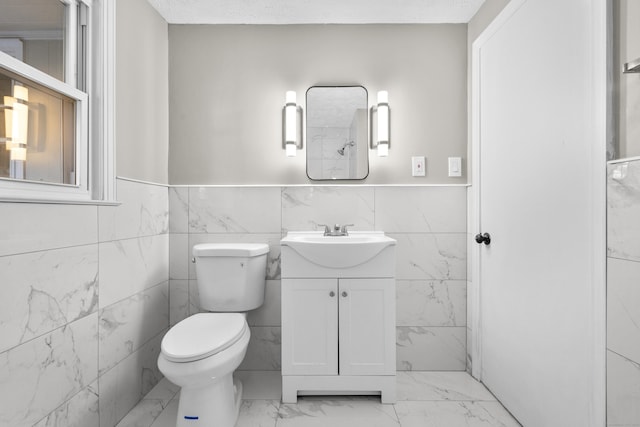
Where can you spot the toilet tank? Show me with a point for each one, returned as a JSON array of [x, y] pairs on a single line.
[[231, 276]]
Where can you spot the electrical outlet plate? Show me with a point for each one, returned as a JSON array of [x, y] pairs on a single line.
[[418, 166]]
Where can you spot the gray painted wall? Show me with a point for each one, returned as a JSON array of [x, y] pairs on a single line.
[[227, 89], [142, 111]]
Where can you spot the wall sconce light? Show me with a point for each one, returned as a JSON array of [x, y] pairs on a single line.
[[7, 106], [292, 125], [16, 125], [380, 124]]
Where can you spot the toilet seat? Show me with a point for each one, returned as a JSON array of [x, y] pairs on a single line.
[[202, 335]]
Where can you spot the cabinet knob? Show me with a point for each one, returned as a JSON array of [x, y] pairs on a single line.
[[344, 293], [332, 294]]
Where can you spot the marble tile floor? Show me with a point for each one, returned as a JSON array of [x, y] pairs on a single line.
[[425, 399]]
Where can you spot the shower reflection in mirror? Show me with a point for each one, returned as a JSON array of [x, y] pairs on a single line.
[[345, 146]]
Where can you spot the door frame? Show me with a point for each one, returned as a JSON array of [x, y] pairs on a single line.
[[601, 77]]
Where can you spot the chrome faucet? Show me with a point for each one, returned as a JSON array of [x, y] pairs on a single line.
[[337, 230]]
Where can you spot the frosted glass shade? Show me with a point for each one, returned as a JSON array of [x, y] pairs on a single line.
[[290, 97], [21, 93], [383, 97], [291, 130], [20, 123], [8, 120], [383, 123], [290, 124], [383, 149], [18, 154]]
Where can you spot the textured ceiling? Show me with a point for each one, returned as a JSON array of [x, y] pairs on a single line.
[[315, 11]]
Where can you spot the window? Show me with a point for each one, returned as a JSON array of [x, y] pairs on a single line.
[[56, 100], [41, 125]]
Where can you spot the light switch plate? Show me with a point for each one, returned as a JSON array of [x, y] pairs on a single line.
[[455, 166], [418, 166]]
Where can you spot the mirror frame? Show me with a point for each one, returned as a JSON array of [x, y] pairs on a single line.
[[365, 145]]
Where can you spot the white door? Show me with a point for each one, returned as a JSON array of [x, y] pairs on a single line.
[[539, 138], [367, 326], [309, 327]]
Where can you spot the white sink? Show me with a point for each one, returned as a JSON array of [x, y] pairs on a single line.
[[337, 251]]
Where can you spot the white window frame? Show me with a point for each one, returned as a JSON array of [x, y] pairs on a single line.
[[95, 113]]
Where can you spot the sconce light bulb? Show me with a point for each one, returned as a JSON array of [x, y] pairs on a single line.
[[291, 150]]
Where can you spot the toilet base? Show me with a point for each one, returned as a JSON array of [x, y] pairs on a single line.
[[216, 405]]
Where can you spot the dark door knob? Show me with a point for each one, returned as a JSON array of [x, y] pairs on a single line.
[[483, 238]]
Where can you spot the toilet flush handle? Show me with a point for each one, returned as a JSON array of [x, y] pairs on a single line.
[[193, 260]]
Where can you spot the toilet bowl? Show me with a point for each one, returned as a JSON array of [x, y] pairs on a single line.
[[203, 367], [200, 353]]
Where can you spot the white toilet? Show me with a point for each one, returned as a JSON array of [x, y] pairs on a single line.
[[201, 352]]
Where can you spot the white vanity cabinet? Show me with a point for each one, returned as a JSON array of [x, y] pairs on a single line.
[[338, 333], [355, 316]]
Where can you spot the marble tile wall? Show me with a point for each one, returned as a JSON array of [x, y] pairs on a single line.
[[83, 306], [623, 294], [429, 224]]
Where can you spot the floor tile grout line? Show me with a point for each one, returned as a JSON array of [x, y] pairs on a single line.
[[395, 411]]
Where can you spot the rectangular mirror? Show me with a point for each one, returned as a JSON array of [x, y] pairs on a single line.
[[337, 132]]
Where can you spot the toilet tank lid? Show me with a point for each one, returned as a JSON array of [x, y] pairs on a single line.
[[230, 249]]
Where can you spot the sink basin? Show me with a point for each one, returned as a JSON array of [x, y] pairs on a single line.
[[337, 251]]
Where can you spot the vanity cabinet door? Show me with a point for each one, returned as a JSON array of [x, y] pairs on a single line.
[[367, 311], [309, 327]]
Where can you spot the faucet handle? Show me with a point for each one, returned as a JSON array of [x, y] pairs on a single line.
[[344, 231], [327, 230]]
